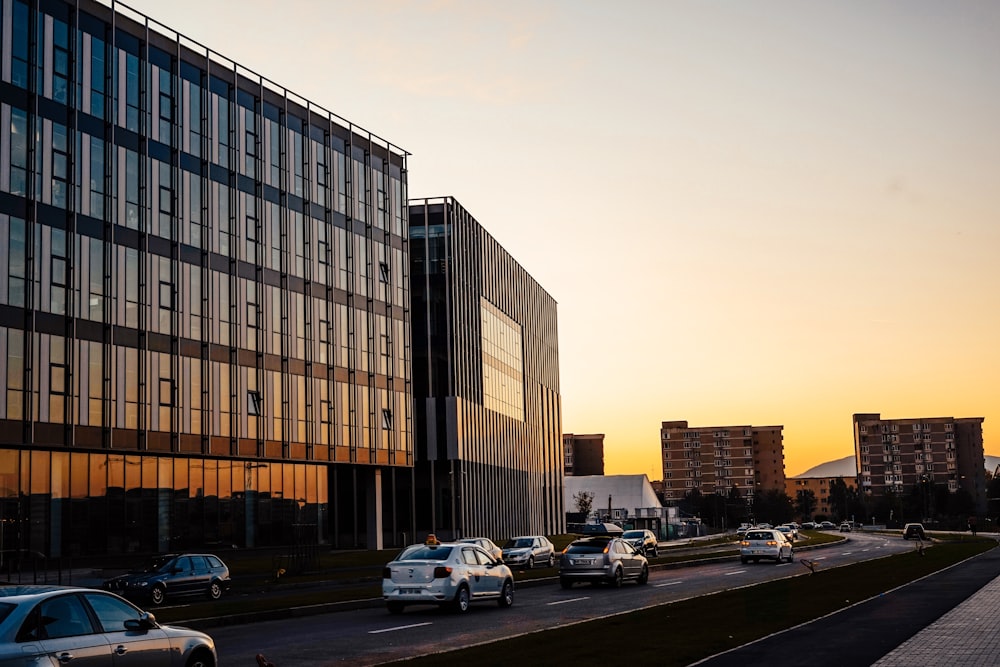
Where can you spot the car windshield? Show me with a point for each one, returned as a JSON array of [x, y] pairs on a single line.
[[521, 543], [425, 552], [632, 534]]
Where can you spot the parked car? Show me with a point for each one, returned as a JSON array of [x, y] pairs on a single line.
[[173, 575], [827, 525], [46, 625], [915, 531], [487, 545], [845, 527], [770, 543], [527, 551], [602, 559], [643, 540], [445, 574], [808, 525]]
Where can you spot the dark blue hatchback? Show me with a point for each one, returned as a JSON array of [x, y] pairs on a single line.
[[174, 575]]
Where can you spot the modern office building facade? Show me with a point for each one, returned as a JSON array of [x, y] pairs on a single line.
[[583, 454], [488, 453], [717, 459], [204, 307], [894, 455]]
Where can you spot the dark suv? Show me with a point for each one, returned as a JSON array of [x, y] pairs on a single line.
[[643, 540], [173, 575], [914, 530], [602, 559]]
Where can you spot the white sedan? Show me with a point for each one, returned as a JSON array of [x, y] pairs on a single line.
[[771, 544], [448, 574]]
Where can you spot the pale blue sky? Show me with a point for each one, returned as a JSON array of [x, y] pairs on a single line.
[[749, 212]]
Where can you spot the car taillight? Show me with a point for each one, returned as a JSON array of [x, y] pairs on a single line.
[[442, 572], [772, 543], [744, 543], [607, 548], [386, 573]]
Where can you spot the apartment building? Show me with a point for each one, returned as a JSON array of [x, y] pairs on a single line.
[[820, 487], [583, 454], [204, 303], [716, 459], [896, 454], [489, 457]]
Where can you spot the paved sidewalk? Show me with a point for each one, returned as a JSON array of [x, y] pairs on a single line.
[[967, 636], [949, 618]]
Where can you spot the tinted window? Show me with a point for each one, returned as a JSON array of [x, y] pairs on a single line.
[[111, 612], [199, 563], [183, 564], [759, 536], [586, 548], [426, 553], [632, 534], [64, 616]]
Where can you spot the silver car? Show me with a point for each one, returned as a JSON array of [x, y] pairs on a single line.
[[770, 544], [51, 625], [602, 559], [446, 574], [527, 551]]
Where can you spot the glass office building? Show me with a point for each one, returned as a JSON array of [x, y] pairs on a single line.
[[489, 459], [204, 305]]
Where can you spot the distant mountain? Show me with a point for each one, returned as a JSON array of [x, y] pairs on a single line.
[[840, 468], [845, 467]]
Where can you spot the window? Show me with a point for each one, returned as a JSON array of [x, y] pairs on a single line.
[[97, 177], [167, 390], [19, 45], [60, 61], [16, 263], [132, 92], [60, 165], [18, 151], [383, 272], [387, 419], [97, 75], [253, 403], [166, 104], [57, 267]]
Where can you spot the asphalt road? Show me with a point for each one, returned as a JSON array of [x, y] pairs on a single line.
[[373, 636]]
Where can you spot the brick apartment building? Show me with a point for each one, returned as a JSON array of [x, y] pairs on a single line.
[[896, 454], [715, 459]]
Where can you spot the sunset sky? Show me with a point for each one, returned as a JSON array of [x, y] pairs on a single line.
[[749, 212]]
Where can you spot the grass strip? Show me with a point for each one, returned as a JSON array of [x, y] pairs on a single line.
[[745, 614]]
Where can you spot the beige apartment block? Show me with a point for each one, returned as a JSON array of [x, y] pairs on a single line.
[[715, 459], [895, 454], [820, 486]]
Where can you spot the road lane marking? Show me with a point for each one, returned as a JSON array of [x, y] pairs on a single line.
[[820, 558], [847, 553], [398, 627], [669, 583], [569, 600], [729, 574]]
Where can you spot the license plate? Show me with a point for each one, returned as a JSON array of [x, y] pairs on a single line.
[[409, 591], [582, 561]]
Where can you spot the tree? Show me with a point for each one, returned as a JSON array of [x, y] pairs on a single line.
[[773, 506], [584, 501], [805, 503], [838, 498]]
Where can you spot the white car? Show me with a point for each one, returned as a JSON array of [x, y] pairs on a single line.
[[789, 530], [445, 574], [527, 551], [770, 544]]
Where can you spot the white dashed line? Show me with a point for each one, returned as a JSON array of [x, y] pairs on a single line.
[[669, 583], [729, 574], [565, 601], [398, 627]]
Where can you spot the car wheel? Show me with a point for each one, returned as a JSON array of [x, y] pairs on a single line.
[[506, 595], [643, 576], [214, 590], [395, 607], [200, 659], [552, 560], [618, 579], [462, 600], [157, 595], [565, 583], [530, 565]]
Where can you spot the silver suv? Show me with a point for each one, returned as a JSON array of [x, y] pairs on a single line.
[[602, 559]]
